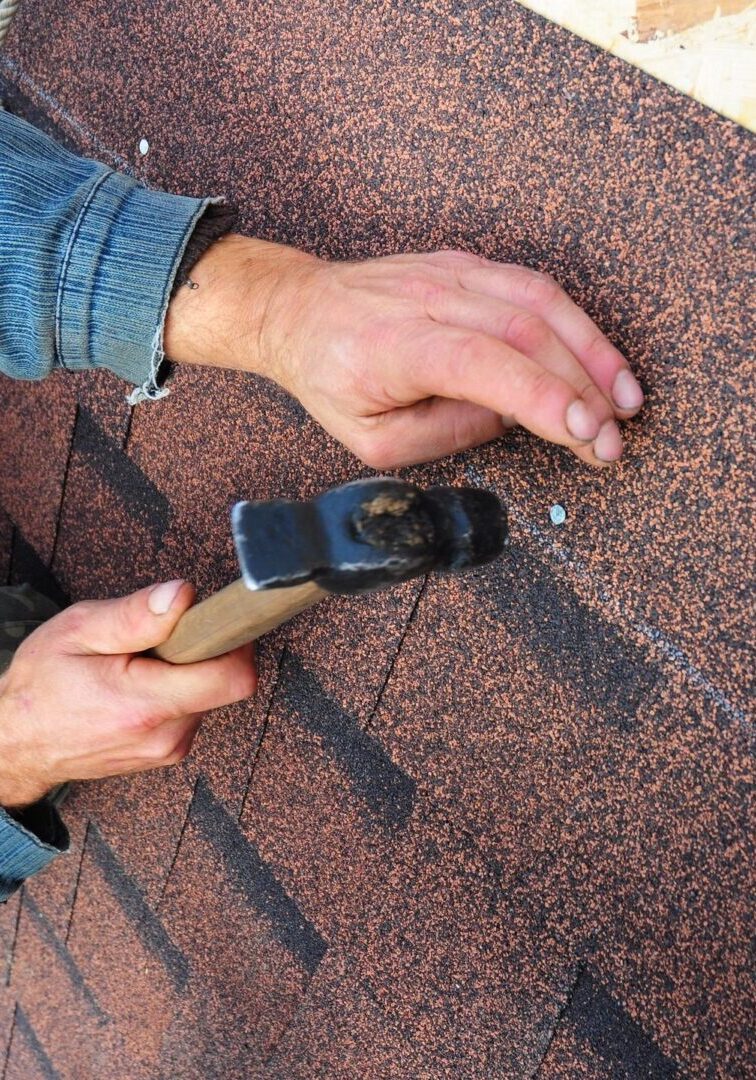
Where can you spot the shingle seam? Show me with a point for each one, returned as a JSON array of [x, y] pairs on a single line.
[[177, 849], [12, 950], [254, 877], [569, 993], [63, 487], [263, 732], [6, 1056], [384, 788], [77, 882], [394, 659], [147, 924]]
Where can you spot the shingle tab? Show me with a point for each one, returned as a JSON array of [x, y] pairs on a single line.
[[484, 827]]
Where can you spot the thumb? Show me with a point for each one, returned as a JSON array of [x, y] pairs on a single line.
[[129, 624]]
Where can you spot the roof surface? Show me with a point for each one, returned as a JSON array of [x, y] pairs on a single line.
[[487, 827]]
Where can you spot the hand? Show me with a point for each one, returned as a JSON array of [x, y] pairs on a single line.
[[409, 357], [77, 703]]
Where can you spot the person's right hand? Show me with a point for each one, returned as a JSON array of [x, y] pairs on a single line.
[[78, 702]]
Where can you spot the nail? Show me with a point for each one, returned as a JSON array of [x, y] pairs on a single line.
[[161, 597], [608, 444], [627, 391], [581, 423]]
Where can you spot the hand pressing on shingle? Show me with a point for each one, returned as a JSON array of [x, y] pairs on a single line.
[[78, 702], [409, 357]]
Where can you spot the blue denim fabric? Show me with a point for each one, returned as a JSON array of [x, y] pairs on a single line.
[[87, 262], [29, 844]]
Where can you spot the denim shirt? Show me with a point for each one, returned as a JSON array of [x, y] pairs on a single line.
[[88, 259], [28, 843]]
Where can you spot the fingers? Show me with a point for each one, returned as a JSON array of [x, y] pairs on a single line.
[[541, 295], [431, 429], [532, 336], [172, 691], [129, 624], [475, 367]]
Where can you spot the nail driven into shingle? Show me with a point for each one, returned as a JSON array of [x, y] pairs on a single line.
[[144, 147], [558, 514]]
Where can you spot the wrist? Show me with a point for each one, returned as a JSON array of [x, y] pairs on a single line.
[[18, 788], [16, 797], [243, 287]]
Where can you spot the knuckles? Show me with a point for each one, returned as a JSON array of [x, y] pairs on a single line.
[[528, 333], [471, 352], [234, 679], [424, 288], [173, 753], [141, 720], [74, 619], [543, 384], [541, 290], [163, 752], [243, 682], [456, 259]]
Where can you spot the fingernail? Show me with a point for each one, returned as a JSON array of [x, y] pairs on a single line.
[[161, 597], [608, 444], [626, 392], [581, 423]]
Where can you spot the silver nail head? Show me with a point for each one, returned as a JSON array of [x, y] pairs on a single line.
[[144, 147], [558, 514]]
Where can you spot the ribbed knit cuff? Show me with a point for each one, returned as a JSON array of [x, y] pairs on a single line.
[[28, 843], [116, 280]]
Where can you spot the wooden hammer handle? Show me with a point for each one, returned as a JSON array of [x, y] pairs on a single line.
[[232, 617]]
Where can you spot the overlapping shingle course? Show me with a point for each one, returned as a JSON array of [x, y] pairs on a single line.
[[485, 827]]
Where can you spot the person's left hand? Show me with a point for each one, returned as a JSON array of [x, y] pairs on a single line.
[[409, 357]]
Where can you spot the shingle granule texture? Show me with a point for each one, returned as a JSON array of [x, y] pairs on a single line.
[[488, 827]]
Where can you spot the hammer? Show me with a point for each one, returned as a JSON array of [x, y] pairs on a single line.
[[362, 536]]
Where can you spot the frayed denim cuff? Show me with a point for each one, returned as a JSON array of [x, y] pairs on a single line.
[[28, 843], [116, 279]]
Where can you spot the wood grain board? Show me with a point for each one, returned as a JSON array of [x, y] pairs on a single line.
[[705, 48]]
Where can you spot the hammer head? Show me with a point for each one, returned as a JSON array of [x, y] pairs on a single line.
[[366, 534]]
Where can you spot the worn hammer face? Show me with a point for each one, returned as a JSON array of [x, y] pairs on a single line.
[[366, 535]]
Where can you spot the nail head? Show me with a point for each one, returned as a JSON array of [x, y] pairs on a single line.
[[558, 514], [144, 147]]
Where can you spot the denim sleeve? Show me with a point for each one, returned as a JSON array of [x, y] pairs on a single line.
[[88, 258], [28, 844]]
